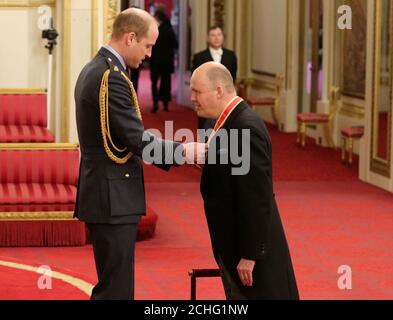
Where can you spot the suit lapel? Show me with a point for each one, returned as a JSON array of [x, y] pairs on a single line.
[[208, 55], [224, 59]]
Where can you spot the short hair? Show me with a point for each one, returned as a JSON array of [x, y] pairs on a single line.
[[214, 28], [220, 75], [132, 20]]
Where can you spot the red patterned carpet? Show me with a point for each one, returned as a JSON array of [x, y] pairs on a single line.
[[331, 219]]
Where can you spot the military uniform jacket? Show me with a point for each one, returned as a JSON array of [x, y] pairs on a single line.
[[110, 193]]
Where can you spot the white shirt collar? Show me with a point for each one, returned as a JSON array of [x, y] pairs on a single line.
[[216, 54], [216, 51]]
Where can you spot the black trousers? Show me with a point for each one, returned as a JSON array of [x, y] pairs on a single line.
[[113, 247], [162, 93]]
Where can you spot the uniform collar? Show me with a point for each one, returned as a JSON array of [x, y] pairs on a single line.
[[117, 55]]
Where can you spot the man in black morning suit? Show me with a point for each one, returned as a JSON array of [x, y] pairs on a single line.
[[247, 235], [111, 193], [215, 52], [162, 63]]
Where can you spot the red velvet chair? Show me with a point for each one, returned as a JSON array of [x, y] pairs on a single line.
[[23, 118], [307, 119], [348, 135]]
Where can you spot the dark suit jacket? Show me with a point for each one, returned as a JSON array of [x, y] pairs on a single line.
[[241, 211], [163, 52], [107, 192], [229, 60]]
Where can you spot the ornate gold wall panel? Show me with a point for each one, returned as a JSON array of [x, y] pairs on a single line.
[[352, 111], [110, 12], [354, 50], [382, 67], [219, 13]]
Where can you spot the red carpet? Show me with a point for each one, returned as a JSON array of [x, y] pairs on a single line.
[[331, 219], [23, 285]]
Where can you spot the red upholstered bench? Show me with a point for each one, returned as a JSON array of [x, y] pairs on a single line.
[[307, 119], [348, 135], [23, 117], [37, 195], [38, 184]]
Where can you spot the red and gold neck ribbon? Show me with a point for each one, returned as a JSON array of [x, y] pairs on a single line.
[[225, 115]]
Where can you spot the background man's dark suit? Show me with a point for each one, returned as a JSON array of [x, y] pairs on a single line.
[[229, 60], [242, 215], [162, 64], [111, 197]]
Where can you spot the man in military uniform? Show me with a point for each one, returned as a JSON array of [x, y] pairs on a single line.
[[111, 194]]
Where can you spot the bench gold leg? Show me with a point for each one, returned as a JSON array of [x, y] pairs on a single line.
[[303, 134], [350, 147], [343, 149], [329, 136], [275, 112]]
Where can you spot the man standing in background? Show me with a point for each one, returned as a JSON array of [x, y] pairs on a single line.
[[162, 63], [217, 53]]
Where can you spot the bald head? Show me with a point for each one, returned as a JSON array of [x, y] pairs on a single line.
[[132, 20], [215, 74], [212, 89]]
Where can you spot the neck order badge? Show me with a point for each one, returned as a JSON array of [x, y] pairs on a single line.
[[225, 115]]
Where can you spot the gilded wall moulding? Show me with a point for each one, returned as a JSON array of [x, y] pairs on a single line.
[[354, 51], [219, 13], [110, 12], [352, 111]]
